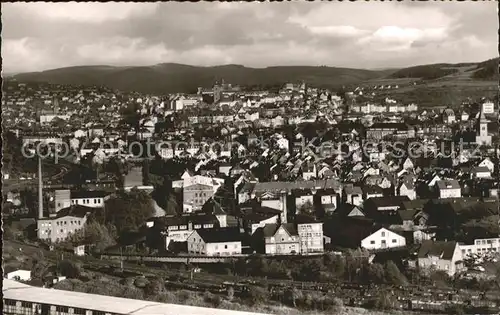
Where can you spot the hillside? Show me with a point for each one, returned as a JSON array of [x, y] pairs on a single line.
[[486, 70], [170, 77], [426, 72]]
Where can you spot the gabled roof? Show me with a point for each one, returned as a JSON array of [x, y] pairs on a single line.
[[74, 211], [444, 250], [448, 184], [220, 235], [270, 230]]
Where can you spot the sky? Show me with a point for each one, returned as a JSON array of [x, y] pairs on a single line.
[[370, 35]]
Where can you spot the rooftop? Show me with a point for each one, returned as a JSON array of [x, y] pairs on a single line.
[[13, 290]]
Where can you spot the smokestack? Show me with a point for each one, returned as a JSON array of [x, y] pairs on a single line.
[[40, 189]]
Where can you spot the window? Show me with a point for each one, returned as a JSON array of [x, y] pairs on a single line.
[[383, 234], [62, 309], [225, 246], [79, 311], [27, 304], [394, 240], [98, 313], [10, 302], [372, 242]]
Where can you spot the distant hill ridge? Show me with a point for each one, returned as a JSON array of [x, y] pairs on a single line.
[[174, 77]]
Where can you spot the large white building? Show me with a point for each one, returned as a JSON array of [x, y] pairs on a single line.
[[481, 247], [19, 298], [215, 242], [289, 238], [383, 238], [65, 222], [196, 190]]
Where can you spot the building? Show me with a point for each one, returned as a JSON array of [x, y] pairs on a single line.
[[19, 275], [408, 189], [196, 190], [448, 188], [19, 298], [281, 239], [480, 172], [481, 247], [379, 131], [442, 256], [449, 116], [383, 238], [288, 238], [482, 136], [215, 242], [179, 228], [310, 235], [488, 108], [91, 198], [65, 222]]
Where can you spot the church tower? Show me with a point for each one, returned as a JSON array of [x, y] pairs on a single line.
[[482, 136]]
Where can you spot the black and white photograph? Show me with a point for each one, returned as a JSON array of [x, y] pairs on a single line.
[[250, 158]]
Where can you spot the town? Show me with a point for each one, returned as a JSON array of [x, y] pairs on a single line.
[[260, 192]]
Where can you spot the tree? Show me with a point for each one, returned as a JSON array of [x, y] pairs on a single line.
[[154, 287], [393, 275], [292, 294], [335, 264], [69, 269], [375, 273], [129, 210], [307, 208], [39, 269], [95, 233]]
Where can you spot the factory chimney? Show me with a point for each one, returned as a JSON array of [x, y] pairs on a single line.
[[40, 189]]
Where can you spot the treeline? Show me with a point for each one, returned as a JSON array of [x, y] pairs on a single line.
[[353, 267], [426, 72]]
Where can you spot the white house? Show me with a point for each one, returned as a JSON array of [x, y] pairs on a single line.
[[443, 256], [93, 198], [487, 163], [408, 189], [19, 275], [311, 237], [480, 172], [449, 188], [215, 242], [383, 238], [281, 239]]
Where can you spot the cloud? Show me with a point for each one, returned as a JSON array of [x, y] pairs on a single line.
[[39, 36]]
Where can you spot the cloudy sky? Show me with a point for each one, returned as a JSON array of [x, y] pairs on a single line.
[[40, 36]]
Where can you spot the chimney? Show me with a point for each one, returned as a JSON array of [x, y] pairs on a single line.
[[40, 189]]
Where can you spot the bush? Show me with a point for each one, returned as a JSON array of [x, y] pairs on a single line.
[[257, 295], [230, 293], [141, 282], [185, 295], [212, 299], [69, 269], [455, 310], [384, 301]]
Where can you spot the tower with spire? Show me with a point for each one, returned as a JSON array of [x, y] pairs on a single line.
[[482, 137]]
